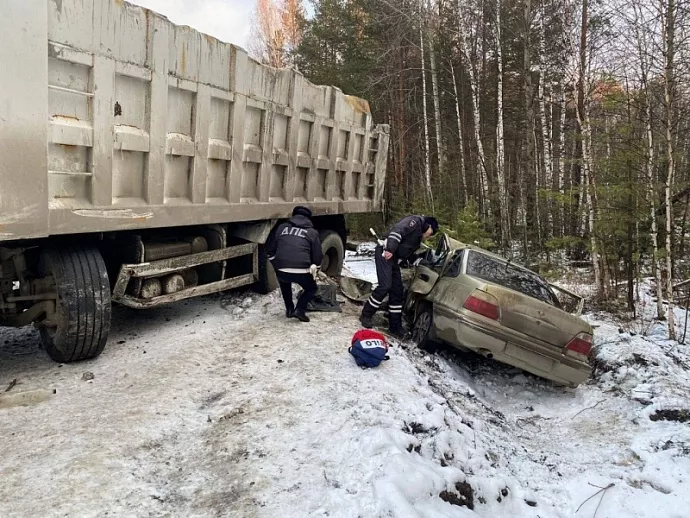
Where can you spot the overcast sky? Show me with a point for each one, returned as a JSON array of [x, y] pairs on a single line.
[[227, 20]]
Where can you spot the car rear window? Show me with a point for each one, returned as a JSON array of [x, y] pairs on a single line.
[[510, 276]]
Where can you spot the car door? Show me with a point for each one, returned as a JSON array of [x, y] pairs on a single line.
[[427, 276], [448, 284]]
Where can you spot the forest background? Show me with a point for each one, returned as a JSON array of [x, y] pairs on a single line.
[[554, 131]]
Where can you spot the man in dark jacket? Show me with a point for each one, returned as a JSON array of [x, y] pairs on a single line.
[[295, 252], [401, 242]]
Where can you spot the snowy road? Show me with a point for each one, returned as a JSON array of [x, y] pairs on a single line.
[[221, 407]]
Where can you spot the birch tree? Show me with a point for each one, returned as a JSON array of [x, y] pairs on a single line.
[[476, 116], [567, 45], [440, 149], [461, 143], [643, 60], [277, 31], [545, 121], [561, 156], [669, 54], [500, 141], [427, 165], [589, 183], [529, 131]]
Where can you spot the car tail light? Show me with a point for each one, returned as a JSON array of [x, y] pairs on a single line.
[[581, 344], [483, 304]]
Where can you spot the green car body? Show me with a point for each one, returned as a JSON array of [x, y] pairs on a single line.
[[472, 299]]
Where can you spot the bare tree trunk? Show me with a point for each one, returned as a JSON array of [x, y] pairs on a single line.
[[522, 210], [440, 148], [500, 141], [561, 157], [589, 183], [582, 204], [590, 187], [683, 228], [580, 89], [605, 267], [573, 209], [651, 198], [530, 135], [545, 132], [538, 179], [400, 110], [638, 264], [427, 165], [474, 87], [649, 162], [461, 143], [437, 111], [669, 87], [630, 267], [549, 135], [632, 209]]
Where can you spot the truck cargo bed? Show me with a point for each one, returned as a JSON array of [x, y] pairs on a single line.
[[113, 118]]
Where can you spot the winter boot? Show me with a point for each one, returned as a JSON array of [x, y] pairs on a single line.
[[368, 313], [301, 315], [395, 325], [366, 321]]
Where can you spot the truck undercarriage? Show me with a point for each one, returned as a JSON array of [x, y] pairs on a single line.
[[66, 286]]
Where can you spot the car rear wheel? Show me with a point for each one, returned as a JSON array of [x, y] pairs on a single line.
[[421, 330]]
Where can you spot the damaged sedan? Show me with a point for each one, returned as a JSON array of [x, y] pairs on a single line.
[[474, 300]]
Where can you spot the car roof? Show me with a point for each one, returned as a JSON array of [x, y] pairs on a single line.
[[502, 259]]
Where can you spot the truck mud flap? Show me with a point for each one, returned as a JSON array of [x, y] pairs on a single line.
[[175, 264]]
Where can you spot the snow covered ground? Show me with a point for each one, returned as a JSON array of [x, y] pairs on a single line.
[[222, 407]]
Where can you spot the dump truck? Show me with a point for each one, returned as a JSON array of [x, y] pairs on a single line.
[[142, 163]]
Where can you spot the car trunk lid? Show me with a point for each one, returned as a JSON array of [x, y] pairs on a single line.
[[527, 303], [534, 318]]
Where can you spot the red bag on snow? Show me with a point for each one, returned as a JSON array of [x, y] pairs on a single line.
[[369, 348]]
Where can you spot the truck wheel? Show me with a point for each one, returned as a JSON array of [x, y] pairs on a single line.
[[421, 330], [333, 253], [79, 328], [267, 276]]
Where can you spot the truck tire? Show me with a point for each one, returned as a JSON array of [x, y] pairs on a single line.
[[267, 276], [82, 319], [333, 253]]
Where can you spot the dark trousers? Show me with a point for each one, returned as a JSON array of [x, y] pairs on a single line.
[[390, 284], [306, 282]]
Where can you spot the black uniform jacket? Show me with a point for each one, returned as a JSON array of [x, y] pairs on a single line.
[[295, 245], [405, 236]]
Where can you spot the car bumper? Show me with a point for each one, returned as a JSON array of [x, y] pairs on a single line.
[[512, 348]]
